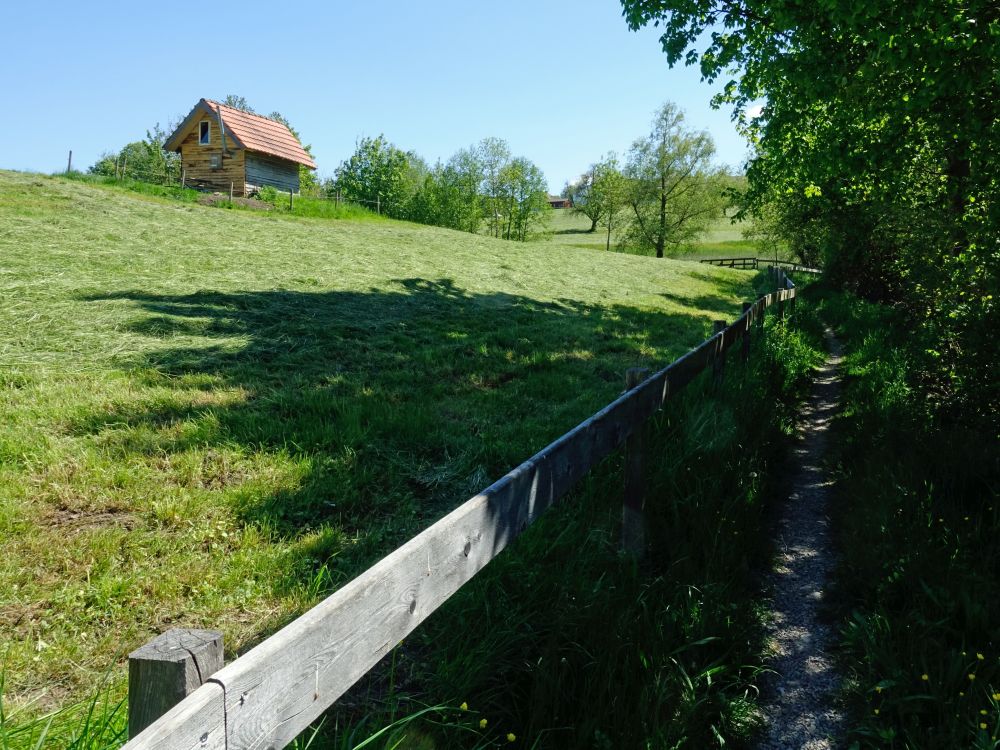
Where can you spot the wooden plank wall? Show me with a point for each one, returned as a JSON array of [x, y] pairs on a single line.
[[263, 169], [271, 694], [196, 161]]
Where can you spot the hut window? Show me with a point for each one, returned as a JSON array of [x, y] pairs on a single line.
[[203, 132]]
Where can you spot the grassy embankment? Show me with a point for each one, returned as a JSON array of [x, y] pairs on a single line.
[[213, 418], [302, 206], [918, 523]]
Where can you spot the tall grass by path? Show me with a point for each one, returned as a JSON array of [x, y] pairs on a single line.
[[215, 417], [919, 527], [563, 642]]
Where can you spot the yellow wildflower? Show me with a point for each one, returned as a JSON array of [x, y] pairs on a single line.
[[511, 736], [982, 711], [464, 706], [996, 696], [878, 688], [876, 712], [982, 725], [483, 723], [971, 676], [980, 656], [924, 677]]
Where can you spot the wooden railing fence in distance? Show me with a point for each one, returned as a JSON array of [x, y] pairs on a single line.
[[753, 263], [268, 696], [745, 262]]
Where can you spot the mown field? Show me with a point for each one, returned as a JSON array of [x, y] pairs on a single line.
[[212, 417]]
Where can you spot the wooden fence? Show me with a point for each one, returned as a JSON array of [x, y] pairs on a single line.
[[753, 263], [268, 696]]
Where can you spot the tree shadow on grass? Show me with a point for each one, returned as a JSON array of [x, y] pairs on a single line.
[[721, 303], [400, 404], [575, 231]]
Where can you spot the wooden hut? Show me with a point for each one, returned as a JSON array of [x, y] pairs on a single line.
[[224, 148]]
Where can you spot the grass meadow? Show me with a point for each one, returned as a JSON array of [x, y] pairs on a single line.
[[213, 418], [723, 238]]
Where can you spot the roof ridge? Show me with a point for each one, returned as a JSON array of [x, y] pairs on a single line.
[[248, 114]]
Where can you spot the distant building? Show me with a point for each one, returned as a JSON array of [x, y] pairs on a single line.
[[557, 201], [222, 146]]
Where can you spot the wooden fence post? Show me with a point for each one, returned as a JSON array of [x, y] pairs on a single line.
[[378, 204], [183, 178], [746, 333], [633, 523], [69, 164], [168, 669], [719, 360]]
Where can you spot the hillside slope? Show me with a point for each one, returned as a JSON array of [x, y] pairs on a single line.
[[212, 416]]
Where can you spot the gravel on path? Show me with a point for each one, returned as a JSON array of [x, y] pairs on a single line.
[[800, 711]]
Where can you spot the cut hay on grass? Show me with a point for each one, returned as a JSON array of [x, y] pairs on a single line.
[[214, 417]]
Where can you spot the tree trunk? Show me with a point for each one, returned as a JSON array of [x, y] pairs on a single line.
[[661, 235], [593, 225], [958, 171]]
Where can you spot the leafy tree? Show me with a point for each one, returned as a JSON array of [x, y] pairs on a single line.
[[463, 177], [239, 102], [675, 190], [525, 199], [493, 155], [610, 193], [145, 159], [876, 150], [579, 192], [377, 174], [449, 196], [482, 187]]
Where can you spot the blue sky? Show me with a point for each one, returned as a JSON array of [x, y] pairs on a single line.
[[562, 82]]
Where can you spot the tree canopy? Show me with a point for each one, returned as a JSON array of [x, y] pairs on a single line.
[[674, 187], [378, 175], [877, 150], [481, 188]]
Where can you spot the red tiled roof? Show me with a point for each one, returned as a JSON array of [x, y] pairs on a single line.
[[258, 133], [252, 132]]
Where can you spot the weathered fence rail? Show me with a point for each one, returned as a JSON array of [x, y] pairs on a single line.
[[747, 262], [753, 263], [268, 696]]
